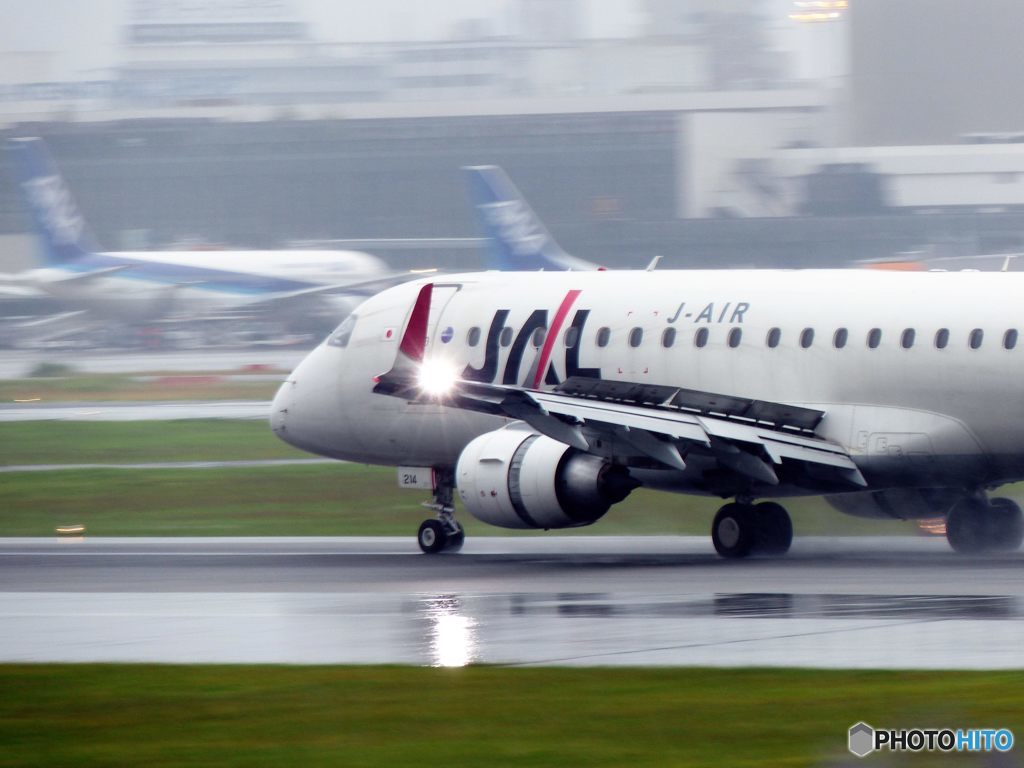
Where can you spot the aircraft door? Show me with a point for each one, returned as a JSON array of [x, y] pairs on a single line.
[[438, 333]]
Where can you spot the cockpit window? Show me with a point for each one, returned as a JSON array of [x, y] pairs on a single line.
[[343, 332]]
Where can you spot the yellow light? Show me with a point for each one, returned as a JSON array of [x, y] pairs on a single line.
[[818, 10], [812, 17]]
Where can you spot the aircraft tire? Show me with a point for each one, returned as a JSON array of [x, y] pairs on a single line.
[[733, 530], [774, 529], [432, 537], [967, 526], [1006, 529], [457, 539]]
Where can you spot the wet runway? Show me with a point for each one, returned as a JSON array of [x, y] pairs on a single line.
[[845, 603]]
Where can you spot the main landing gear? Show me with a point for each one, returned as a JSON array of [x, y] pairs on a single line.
[[443, 532], [740, 529], [975, 525]]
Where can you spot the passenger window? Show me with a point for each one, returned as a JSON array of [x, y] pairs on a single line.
[[977, 336], [636, 337], [474, 336], [773, 338], [538, 337], [840, 337], [506, 336], [701, 338], [874, 338], [735, 336], [343, 333], [668, 338], [1010, 339], [942, 338], [807, 338], [572, 337], [907, 339], [604, 335]]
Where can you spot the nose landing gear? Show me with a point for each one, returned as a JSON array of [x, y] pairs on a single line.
[[443, 533], [741, 528], [976, 526]]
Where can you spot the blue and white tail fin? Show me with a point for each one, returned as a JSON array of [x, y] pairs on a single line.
[[63, 234], [518, 239]]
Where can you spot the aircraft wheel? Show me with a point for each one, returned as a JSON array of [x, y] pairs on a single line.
[[774, 528], [457, 539], [432, 537], [967, 526], [1006, 525], [733, 530]]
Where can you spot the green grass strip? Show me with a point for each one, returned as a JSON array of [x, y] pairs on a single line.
[[92, 715], [326, 500], [139, 442], [317, 500]]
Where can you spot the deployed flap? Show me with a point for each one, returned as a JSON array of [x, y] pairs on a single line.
[[710, 403], [664, 433]]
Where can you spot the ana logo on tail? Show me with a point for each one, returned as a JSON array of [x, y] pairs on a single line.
[[517, 237], [515, 225], [50, 196]]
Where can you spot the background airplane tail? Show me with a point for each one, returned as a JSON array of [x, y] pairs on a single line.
[[63, 234], [518, 239]]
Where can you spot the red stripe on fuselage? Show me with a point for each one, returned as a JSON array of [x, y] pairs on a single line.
[[414, 340], [549, 342]]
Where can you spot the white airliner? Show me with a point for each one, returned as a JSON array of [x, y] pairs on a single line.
[[545, 398], [145, 286]]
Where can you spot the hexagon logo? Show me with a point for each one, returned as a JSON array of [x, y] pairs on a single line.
[[861, 740]]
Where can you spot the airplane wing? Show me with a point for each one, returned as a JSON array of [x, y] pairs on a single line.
[[641, 425], [357, 288], [83, 277], [13, 287]]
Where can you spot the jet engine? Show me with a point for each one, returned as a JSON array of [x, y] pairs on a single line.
[[514, 478]]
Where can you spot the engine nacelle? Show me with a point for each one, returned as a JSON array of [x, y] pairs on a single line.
[[514, 478]]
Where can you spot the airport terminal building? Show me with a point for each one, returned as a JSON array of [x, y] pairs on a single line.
[[226, 126]]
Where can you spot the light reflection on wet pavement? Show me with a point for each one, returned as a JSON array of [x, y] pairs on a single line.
[[361, 602]]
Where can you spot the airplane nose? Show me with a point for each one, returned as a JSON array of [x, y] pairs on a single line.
[[306, 411], [279, 407]]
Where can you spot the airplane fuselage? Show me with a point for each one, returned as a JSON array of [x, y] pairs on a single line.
[[149, 285], [916, 372]]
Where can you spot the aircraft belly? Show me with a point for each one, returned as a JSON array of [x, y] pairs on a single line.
[[904, 445], [422, 435]]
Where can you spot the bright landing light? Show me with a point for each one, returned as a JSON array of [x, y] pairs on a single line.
[[437, 377]]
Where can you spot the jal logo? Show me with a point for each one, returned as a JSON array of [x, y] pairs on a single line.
[[56, 208], [515, 226], [534, 340]]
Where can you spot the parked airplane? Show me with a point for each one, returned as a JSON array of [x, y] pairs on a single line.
[[517, 238], [147, 286], [546, 398]]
